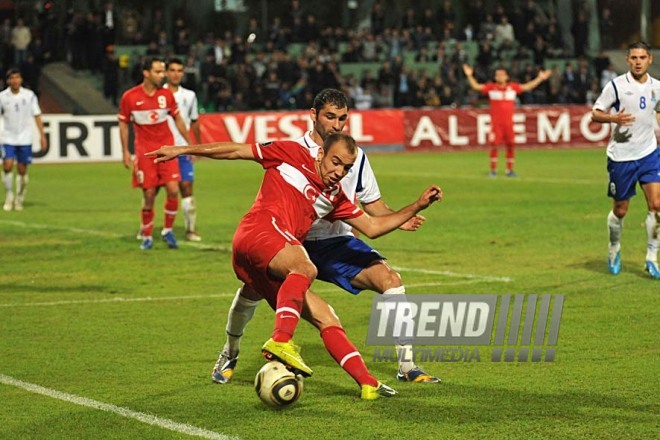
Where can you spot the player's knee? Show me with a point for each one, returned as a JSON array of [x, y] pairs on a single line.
[[391, 280], [249, 293], [310, 271], [621, 213], [306, 269], [185, 188], [620, 210]]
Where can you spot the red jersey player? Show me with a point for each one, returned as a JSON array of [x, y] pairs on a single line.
[[147, 106], [502, 95], [297, 189]]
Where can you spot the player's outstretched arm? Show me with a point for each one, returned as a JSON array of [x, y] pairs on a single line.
[[531, 85], [215, 150], [469, 74], [374, 227], [379, 208]]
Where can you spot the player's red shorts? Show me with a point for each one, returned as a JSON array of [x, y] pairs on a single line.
[[147, 174], [501, 134], [259, 237]]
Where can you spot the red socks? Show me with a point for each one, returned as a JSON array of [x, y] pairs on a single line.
[[347, 356], [493, 159], [290, 299], [510, 158], [147, 225], [171, 207]]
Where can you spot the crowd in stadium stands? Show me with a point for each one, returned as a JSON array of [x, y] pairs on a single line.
[[417, 63], [19, 48]]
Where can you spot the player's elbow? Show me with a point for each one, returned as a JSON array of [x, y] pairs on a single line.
[[373, 233]]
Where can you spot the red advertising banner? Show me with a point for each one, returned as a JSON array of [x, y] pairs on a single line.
[[375, 127], [417, 130], [534, 126], [95, 138]]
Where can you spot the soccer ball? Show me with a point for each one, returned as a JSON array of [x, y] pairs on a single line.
[[276, 386]]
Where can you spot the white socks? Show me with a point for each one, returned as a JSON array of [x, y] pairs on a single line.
[[404, 351], [240, 313], [615, 225], [21, 185], [189, 213], [8, 181], [653, 231]]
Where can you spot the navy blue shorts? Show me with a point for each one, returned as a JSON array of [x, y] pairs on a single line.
[[19, 153], [186, 168], [340, 259], [625, 175]]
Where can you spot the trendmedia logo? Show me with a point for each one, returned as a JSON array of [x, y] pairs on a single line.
[[525, 329]]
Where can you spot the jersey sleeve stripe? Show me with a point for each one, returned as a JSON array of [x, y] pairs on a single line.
[[359, 187], [617, 103], [258, 151]]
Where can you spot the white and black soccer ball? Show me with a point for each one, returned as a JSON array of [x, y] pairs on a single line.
[[276, 386]]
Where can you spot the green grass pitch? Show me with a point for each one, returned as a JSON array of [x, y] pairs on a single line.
[[87, 315]]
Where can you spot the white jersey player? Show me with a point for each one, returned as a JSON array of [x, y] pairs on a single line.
[[632, 152], [18, 106], [186, 100]]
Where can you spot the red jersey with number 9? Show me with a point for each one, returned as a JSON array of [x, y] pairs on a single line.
[[149, 116]]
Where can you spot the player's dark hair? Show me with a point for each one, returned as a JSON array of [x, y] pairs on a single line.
[[149, 62], [333, 138], [329, 96], [639, 45], [12, 71], [174, 60]]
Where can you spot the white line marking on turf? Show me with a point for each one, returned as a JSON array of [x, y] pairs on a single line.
[[454, 274], [485, 177], [452, 283], [332, 288], [477, 278], [108, 234], [116, 300], [149, 419], [59, 228]]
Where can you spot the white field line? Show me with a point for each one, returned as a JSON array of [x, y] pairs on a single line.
[[116, 300], [106, 234], [442, 283], [455, 274], [327, 289], [522, 179], [149, 419], [469, 278]]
